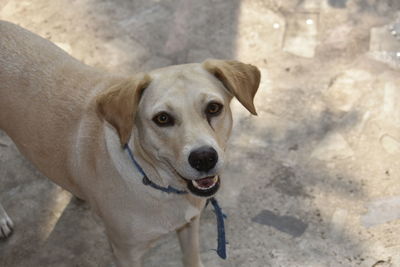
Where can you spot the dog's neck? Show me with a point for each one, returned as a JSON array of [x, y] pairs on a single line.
[[128, 170], [154, 169]]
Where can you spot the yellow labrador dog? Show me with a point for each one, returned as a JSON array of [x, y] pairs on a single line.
[[75, 122]]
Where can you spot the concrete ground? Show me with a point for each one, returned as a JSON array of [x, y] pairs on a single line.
[[313, 180]]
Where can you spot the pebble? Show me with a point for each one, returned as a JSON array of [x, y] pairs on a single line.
[[390, 144]]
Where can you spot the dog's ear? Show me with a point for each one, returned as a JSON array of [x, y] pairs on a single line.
[[118, 104], [242, 80]]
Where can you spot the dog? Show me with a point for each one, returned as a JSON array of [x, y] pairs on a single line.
[[75, 123]]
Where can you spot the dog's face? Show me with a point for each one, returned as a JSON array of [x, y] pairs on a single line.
[[182, 117], [183, 122]]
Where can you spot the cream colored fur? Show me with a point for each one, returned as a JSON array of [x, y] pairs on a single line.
[[71, 121]]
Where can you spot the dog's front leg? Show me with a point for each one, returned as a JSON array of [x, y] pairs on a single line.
[[6, 225], [189, 241], [128, 255]]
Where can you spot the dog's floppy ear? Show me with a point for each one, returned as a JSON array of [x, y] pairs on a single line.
[[118, 104], [242, 80]]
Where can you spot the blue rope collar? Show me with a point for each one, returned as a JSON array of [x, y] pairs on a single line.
[[221, 250], [147, 181]]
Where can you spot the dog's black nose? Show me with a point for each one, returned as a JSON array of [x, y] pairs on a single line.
[[203, 159]]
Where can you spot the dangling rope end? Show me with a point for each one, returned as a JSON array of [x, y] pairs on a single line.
[[221, 250]]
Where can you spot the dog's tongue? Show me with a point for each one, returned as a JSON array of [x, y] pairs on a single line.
[[205, 182]]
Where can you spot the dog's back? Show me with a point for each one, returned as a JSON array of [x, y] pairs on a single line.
[[36, 76], [43, 94]]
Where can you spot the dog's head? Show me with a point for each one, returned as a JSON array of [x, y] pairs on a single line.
[[181, 117]]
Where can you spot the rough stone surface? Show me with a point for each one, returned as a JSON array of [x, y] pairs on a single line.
[[301, 34], [385, 43], [324, 149], [382, 211], [333, 146]]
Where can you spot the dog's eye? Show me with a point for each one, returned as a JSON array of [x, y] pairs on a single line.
[[213, 109], [163, 119]]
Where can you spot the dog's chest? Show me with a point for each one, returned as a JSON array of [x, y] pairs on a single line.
[[172, 214]]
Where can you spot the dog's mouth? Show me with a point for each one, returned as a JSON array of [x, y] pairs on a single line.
[[205, 187]]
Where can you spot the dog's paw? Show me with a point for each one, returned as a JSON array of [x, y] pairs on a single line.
[[6, 226]]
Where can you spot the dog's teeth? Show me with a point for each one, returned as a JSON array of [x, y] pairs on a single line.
[[195, 184]]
